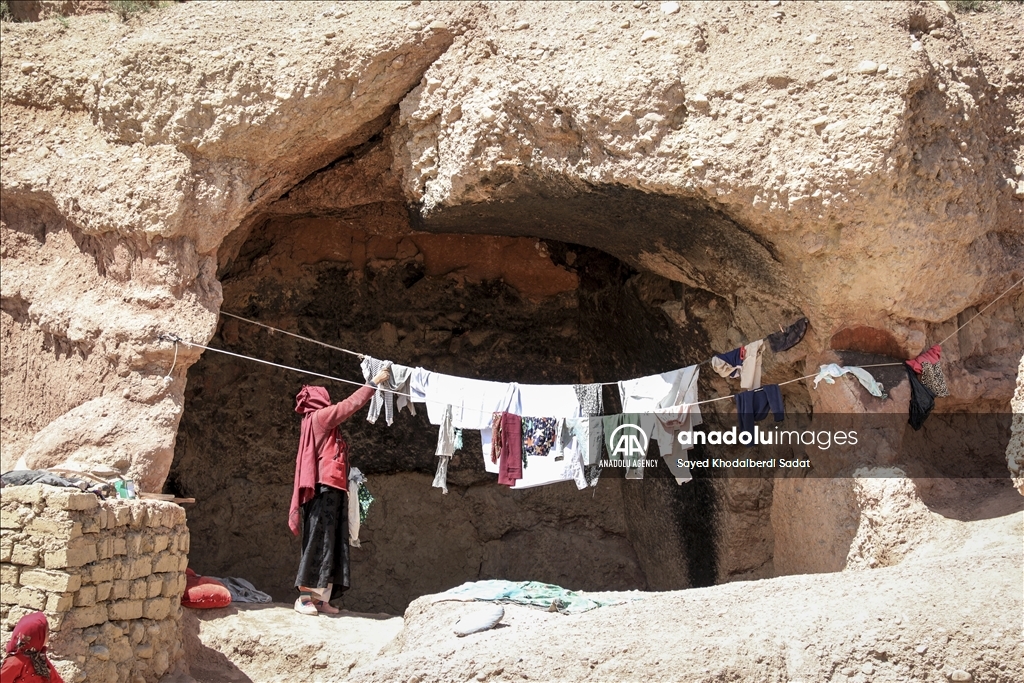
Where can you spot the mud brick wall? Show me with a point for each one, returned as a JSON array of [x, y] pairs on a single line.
[[108, 574]]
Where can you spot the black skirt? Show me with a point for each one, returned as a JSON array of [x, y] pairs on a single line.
[[325, 541]]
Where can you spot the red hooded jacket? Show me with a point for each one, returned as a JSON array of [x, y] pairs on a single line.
[[323, 451]]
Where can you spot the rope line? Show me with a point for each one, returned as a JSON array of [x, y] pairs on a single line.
[[1005, 292], [273, 329], [291, 334], [176, 340]]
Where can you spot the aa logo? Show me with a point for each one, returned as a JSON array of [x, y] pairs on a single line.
[[629, 441]]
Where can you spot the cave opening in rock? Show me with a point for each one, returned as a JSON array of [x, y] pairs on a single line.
[[552, 287]]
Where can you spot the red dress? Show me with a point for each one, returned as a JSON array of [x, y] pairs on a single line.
[[17, 668]]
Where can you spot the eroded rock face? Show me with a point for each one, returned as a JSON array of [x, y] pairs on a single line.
[[860, 165]]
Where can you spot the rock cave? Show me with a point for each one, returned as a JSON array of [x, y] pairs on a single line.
[[527, 192]]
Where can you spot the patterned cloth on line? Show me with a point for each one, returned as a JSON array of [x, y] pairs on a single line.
[[591, 399], [539, 436]]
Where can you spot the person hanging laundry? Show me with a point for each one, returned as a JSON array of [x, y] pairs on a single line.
[[783, 340], [729, 364], [398, 381], [507, 446], [753, 406], [927, 366], [319, 509], [922, 400], [25, 659], [750, 372], [828, 372]]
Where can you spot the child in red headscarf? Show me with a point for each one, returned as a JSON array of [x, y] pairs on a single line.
[[319, 508], [25, 659]]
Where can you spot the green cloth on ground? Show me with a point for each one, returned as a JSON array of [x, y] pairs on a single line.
[[531, 593]]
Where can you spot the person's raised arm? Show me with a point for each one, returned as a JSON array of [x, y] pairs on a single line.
[[332, 416]]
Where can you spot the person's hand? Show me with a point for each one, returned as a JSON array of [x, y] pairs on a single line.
[[381, 377]]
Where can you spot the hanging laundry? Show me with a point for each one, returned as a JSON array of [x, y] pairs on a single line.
[[472, 401], [753, 406], [445, 450], [549, 401], [788, 338], [827, 372], [508, 443], [932, 355], [623, 440], [649, 395], [539, 435], [591, 399], [922, 400], [933, 378], [728, 364], [928, 367], [397, 381], [441, 475], [403, 392], [355, 483], [579, 439], [750, 372]]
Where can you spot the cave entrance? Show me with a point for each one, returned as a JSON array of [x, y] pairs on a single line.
[[554, 287]]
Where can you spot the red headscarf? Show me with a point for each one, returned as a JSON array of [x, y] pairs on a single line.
[[29, 639], [307, 401]]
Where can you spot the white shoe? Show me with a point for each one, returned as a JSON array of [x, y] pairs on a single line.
[[305, 607]]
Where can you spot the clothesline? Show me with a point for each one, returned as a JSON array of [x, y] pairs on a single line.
[[291, 334], [273, 329], [176, 340], [789, 381]]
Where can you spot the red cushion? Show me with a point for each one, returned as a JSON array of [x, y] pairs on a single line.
[[204, 593]]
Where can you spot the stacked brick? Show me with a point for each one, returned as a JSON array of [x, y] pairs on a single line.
[[108, 574]]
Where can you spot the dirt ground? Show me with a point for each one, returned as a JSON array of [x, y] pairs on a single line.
[[952, 608]]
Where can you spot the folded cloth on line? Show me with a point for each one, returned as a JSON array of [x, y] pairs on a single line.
[[827, 372], [531, 593], [241, 590], [789, 337], [728, 364], [473, 401], [750, 372], [397, 382], [932, 355]]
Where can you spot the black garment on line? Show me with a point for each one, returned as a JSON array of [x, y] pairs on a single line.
[[325, 541], [922, 400], [789, 337]]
